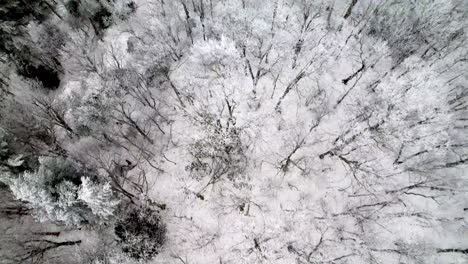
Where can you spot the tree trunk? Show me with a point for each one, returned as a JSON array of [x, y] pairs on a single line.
[[350, 9]]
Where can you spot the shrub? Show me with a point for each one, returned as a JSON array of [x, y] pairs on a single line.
[[141, 233]]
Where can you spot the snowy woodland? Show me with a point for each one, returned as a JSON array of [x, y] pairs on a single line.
[[233, 131]]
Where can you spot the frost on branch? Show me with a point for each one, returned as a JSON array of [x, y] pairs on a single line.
[[219, 154], [293, 131], [98, 197], [61, 193]]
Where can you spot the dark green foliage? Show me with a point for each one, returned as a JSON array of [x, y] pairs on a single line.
[[102, 18], [59, 170], [83, 130], [98, 13], [11, 149], [21, 12], [73, 8], [49, 77], [28, 57], [141, 233], [32, 63]]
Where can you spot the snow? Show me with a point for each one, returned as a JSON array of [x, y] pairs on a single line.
[[258, 150]]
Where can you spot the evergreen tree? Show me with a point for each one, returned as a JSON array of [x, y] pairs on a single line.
[[61, 193]]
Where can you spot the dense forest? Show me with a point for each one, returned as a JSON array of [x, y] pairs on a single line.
[[233, 131]]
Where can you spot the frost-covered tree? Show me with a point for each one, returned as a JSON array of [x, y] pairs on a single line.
[[98, 197], [289, 131], [59, 192]]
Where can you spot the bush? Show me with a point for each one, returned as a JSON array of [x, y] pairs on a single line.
[[141, 233]]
